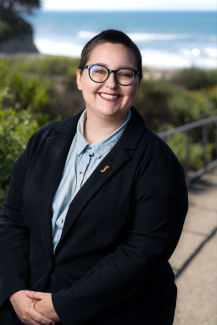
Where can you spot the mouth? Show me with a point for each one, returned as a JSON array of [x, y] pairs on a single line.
[[110, 97]]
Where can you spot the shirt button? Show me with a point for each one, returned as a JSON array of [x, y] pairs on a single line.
[[62, 221], [81, 171]]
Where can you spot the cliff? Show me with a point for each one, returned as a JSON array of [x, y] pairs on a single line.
[[16, 35]]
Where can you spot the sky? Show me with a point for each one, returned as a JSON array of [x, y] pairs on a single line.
[[130, 5]]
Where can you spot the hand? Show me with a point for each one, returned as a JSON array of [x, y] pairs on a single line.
[[44, 304], [25, 309]]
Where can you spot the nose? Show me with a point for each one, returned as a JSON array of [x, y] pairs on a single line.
[[111, 82]]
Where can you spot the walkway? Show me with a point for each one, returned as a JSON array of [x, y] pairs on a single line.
[[195, 258]]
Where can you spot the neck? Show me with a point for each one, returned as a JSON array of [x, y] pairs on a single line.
[[97, 128]]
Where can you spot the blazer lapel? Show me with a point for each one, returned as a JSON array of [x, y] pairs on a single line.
[[55, 155], [115, 159]]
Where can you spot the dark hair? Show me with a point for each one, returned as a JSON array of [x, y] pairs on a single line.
[[115, 37]]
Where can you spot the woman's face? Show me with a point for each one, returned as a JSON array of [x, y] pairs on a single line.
[[114, 57]]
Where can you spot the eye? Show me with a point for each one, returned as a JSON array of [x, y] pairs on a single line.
[[99, 71], [125, 74]]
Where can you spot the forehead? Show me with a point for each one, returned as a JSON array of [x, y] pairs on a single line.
[[113, 56]]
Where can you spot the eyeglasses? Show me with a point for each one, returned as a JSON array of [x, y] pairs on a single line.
[[99, 73]]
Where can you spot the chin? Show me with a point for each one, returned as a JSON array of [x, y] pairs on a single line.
[[108, 110]]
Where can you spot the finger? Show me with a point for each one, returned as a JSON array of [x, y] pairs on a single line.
[[27, 318], [34, 294], [39, 318]]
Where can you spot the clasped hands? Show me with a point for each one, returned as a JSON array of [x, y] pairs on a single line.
[[34, 308]]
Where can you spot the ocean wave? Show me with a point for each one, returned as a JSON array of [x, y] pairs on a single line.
[[211, 52], [138, 37], [56, 48], [166, 59]]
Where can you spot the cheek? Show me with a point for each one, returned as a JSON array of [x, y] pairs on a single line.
[[89, 91], [131, 93]]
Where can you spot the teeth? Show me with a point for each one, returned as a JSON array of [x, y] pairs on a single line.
[[109, 96]]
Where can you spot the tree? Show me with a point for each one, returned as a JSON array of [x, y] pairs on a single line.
[[12, 25], [20, 5]]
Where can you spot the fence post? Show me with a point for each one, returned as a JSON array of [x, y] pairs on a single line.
[[186, 147], [165, 129], [204, 133]]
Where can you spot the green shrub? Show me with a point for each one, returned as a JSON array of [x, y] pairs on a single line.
[[196, 159], [28, 93], [4, 27], [46, 65], [16, 127], [160, 101], [195, 78], [192, 104]]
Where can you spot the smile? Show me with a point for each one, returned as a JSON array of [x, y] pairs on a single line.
[[110, 98]]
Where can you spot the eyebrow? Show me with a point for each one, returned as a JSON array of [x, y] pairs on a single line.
[[124, 67]]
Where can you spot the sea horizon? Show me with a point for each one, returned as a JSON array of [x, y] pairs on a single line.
[[166, 39]]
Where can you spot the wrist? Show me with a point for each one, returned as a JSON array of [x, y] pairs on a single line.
[[11, 297]]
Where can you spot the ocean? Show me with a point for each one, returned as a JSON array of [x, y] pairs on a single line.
[[165, 39]]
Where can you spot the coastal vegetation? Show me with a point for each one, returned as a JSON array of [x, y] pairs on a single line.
[[37, 91]]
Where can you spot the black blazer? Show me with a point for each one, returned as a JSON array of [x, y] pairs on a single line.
[[111, 264]]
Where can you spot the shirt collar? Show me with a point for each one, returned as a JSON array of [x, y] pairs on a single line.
[[101, 147]]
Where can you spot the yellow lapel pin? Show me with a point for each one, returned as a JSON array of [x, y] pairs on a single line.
[[103, 170]]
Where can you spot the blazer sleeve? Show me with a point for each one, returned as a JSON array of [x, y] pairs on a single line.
[[161, 204], [14, 235]]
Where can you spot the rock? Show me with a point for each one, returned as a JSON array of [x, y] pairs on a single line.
[[16, 35], [23, 43]]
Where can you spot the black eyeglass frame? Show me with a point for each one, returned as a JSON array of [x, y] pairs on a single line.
[[109, 71]]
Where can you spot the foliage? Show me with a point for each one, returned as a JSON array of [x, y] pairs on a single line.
[[48, 65], [12, 25], [161, 101], [195, 78], [48, 94], [21, 5], [191, 104], [196, 159], [28, 92], [16, 127], [177, 143], [4, 27]]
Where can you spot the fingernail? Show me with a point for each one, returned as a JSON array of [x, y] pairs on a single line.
[[28, 292]]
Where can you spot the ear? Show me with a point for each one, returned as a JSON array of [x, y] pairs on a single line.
[[79, 79]]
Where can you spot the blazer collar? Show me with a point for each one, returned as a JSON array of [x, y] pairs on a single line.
[[130, 137]]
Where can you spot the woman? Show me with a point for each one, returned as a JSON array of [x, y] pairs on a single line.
[[95, 208]]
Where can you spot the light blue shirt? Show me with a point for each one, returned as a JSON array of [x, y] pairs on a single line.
[[81, 161]]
